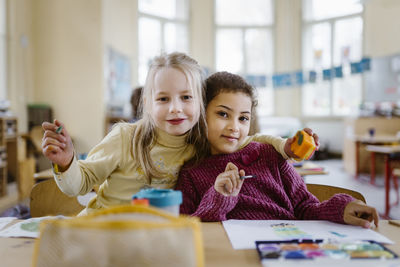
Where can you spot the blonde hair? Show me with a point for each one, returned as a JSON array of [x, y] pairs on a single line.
[[144, 137]]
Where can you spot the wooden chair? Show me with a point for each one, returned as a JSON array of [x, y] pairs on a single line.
[[47, 199], [325, 192]]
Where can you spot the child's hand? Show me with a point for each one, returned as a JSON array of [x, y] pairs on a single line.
[[289, 141], [57, 147], [358, 213], [229, 183]]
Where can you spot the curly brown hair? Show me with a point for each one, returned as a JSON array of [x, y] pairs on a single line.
[[227, 82]]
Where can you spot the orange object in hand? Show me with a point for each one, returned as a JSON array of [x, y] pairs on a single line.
[[303, 145]]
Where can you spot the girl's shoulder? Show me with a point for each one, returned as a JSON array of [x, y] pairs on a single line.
[[123, 127], [256, 146], [255, 151], [121, 131]]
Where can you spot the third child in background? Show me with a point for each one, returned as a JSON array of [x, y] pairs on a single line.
[[213, 189]]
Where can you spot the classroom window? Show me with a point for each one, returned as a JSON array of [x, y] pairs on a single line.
[[3, 51], [244, 44], [332, 37], [163, 27]]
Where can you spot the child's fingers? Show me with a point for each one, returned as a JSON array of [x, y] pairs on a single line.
[[235, 178], [47, 126], [365, 212], [354, 220], [290, 140], [308, 130], [52, 149], [316, 140], [240, 181], [227, 185], [53, 143], [376, 217], [314, 135], [52, 152], [231, 167], [357, 213], [368, 213], [58, 123], [53, 135], [288, 147]]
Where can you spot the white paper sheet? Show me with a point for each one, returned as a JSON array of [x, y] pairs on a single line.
[[6, 220], [26, 228], [244, 233]]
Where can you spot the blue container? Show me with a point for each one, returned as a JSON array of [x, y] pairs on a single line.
[[166, 199]]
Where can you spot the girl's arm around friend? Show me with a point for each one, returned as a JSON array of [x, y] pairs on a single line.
[[281, 145]]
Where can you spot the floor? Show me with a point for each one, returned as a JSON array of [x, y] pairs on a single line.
[[374, 194]]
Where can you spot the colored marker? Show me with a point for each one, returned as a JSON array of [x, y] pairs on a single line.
[[247, 177], [58, 131]]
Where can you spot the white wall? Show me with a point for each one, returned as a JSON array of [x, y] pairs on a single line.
[[382, 27], [68, 65], [287, 54], [120, 30], [20, 59], [202, 32]]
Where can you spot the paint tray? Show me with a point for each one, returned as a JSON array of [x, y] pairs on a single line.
[[325, 253]]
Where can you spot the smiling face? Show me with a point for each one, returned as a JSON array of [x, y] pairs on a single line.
[[228, 119], [174, 108]]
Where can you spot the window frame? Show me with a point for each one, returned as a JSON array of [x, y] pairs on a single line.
[[306, 24], [163, 21], [243, 28]]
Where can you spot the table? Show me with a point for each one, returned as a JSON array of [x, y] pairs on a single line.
[[371, 140], [304, 172], [17, 252], [386, 150], [310, 168]]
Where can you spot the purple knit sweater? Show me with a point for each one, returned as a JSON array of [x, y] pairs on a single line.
[[278, 192]]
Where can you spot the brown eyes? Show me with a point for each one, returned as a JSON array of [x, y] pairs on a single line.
[[224, 114]]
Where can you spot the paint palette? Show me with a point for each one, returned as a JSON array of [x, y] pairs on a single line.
[[307, 252]]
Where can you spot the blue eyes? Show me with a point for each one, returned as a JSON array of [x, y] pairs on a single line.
[[165, 99]]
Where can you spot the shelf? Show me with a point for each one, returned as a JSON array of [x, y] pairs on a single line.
[[8, 152]]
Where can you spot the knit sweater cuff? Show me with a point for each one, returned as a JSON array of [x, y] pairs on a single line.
[[224, 203], [214, 206], [334, 210], [69, 181]]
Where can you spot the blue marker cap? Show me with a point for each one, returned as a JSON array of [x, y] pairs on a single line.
[[160, 197]]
